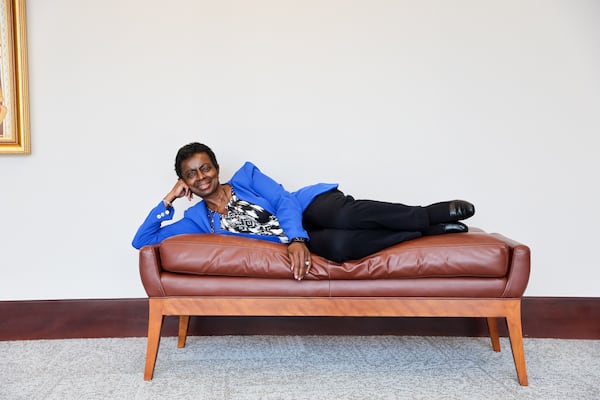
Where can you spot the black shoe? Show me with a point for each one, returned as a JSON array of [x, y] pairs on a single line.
[[449, 211], [460, 209], [455, 227], [449, 227]]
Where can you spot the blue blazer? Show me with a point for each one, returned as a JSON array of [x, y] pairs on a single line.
[[249, 184]]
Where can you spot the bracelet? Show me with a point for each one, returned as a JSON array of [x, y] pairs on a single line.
[[298, 240]]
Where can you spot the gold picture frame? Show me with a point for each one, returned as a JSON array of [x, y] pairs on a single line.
[[14, 83]]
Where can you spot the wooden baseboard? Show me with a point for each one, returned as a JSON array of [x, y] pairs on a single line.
[[543, 317]]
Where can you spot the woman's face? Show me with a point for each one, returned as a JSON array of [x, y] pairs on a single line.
[[199, 173]]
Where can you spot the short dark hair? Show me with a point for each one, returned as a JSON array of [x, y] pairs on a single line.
[[188, 151]]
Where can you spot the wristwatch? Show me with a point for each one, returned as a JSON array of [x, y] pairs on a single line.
[[299, 240]]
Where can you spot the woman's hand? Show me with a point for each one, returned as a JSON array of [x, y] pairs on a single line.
[[300, 258], [181, 189]]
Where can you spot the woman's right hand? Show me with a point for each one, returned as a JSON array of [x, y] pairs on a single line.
[[181, 189]]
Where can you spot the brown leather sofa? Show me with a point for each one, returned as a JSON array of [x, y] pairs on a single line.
[[473, 274]]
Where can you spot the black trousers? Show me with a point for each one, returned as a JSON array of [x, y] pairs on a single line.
[[342, 228]]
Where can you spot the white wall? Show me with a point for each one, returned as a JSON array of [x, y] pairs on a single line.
[[497, 102]]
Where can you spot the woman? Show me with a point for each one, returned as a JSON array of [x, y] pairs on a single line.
[[317, 218]]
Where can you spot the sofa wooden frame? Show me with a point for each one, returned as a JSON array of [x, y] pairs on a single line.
[[489, 308]]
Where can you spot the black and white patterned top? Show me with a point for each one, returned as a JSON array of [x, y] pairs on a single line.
[[244, 217]]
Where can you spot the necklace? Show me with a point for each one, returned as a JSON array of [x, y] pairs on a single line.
[[225, 200], [211, 212]]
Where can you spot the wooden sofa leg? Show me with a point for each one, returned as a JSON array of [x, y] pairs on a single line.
[[155, 321], [184, 321], [494, 336], [515, 332]]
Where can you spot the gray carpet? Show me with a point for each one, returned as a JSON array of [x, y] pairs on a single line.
[[298, 367]]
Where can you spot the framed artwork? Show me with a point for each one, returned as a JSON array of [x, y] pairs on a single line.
[[14, 84]]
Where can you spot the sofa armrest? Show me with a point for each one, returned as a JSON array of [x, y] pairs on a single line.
[[518, 269], [150, 270]]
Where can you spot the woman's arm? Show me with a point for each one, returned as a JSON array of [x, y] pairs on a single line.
[[286, 208], [152, 231]]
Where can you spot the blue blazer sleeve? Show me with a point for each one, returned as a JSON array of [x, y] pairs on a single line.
[[152, 231]]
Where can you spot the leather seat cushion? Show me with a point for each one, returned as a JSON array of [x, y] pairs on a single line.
[[472, 254]]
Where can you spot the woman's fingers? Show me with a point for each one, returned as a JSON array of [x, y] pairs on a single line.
[[300, 260]]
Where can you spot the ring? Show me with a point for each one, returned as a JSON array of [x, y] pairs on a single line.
[[306, 262]]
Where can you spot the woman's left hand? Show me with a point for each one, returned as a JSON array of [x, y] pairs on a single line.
[[300, 259]]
